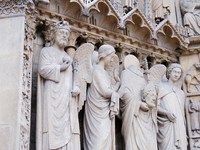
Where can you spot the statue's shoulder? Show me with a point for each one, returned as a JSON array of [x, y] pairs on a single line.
[[126, 73], [46, 49], [97, 69], [163, 86]]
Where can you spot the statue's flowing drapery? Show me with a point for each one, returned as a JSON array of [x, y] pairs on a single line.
[[97, 122], [191, 14], [138, 127], [160, 7], [57, 116], [172, 135]]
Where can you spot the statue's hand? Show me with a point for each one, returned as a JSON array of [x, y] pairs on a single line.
[[171, 117], [76, 91], [144, 106], [64, 66], [67, 60]]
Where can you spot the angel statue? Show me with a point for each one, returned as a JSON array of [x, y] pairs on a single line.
[[171, 111], [102, 102], [57, 113], [139, 104]]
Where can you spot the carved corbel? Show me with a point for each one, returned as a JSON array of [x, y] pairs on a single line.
[[93, 39], [47, 28], [85, 12], [121, 25]]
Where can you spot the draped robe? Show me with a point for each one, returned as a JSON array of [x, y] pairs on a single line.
[[97, 122], [172, 136], [128, 3], [57, 115], [160, 7], [138, 127], [191, 14]]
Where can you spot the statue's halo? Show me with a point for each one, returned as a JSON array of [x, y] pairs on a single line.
[[130, 60]]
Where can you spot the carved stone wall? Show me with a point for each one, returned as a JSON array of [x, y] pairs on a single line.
[[192, 90], [130, 30], [24, 11], [30, 28], [154, 45]]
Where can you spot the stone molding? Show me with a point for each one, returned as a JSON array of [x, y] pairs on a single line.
[[30, 28], [13, 8]]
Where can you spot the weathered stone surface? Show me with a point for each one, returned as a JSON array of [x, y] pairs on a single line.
[[11, 65], [132, 29]]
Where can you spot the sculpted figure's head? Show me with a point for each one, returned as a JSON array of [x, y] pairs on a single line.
[[149, 95], [106, 53], [61, 33], [174, 72], [197, 65]]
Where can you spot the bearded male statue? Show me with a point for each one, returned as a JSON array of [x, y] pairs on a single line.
[[57, 114]]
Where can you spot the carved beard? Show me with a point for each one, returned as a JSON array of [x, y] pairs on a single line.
[[62, 42]]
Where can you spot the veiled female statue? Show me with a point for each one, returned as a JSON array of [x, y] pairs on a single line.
[[171, 111], [139, 106]]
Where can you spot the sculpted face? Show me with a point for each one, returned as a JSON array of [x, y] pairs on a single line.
[[108, 58], [151, 99], [197, 65], [175, 74], [61, 37]]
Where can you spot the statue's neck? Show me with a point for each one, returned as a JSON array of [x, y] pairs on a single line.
[[55, 46], [172, 83]]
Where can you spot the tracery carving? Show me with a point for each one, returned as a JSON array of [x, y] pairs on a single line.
[[30, 28]]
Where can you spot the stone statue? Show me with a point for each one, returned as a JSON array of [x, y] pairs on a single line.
[[192, 78], [57, 114], [194, 116], [160, 7], [191, 12], [102, 102], [139, 107], [128, 3], [171, 111], [132, 81]]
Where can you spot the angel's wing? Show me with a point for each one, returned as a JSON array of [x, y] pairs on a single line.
[[83, 70], [156, 73], [113, 69]]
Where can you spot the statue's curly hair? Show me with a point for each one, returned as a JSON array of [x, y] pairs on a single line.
[[171, 67]]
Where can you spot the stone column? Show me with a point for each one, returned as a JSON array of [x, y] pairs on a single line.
[[71, 43], [17, 25]]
